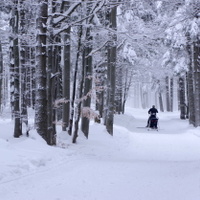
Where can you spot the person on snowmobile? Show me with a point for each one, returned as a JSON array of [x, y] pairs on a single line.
[[152, 112]]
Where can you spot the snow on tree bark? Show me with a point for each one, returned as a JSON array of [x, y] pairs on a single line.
[[190, 81], [182, 102], [24, 68], [167, 94], [88, 70], [197, 81], [72, 109], [111, 70], [66, 72], [41, 74], [15, 69]]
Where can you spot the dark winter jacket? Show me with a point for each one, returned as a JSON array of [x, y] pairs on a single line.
[[152, 111]]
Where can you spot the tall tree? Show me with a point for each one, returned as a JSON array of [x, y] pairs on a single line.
[[72, 108], [1, 77], [160, 99], [88, 69], [182, 102], [100, 82], [79, 102], [167, 94], [196, 61], [193, 48], [190, 81], [15, 68], [112, 51], [66, 70], [171, 94], [53, 86], [41, 54], [23, 61]]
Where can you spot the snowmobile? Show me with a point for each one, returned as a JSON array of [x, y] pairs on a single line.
[[153, 122]]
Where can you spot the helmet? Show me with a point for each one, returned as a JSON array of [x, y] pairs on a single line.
[[153, 106]]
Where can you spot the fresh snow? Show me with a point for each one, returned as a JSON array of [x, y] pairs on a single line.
[[134, 164]]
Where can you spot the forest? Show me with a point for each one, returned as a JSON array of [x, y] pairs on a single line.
[[73, 61]]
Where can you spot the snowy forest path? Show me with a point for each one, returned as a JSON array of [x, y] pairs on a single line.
[[133, 164], [168, 123], [173, 142]]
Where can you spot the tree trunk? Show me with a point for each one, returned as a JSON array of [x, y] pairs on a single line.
[[100, 85], [79, 103], [57, 70], [187, 100], [171, 94], [51, 140], [52, 81], [182, 98], [74, 83], [127, 85], [111, 71], [33, 77], [24, 69], [125, 92], [66, 74], [41, 54], [66, 79], [87, 62], [167, 94], [161, 102], [1, 76], [160, 98], [196, 62], [118, 93], [190, 82], [16, 71]]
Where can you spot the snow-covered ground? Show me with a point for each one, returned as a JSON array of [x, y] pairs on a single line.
[[133, 164]]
